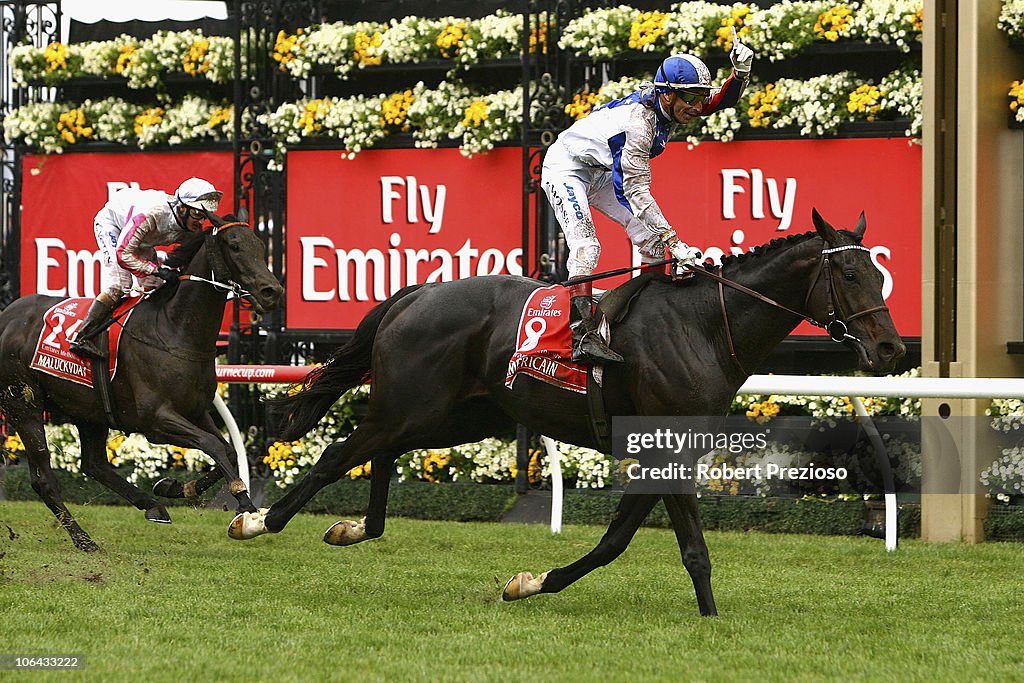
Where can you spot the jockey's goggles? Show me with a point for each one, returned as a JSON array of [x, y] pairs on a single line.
[[195, 213], [691, 96]]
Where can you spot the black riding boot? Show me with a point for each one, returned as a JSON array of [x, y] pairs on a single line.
[[85, 342], [587, 344]]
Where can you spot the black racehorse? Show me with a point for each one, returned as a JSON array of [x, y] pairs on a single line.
[[438, 355], [165, 382]]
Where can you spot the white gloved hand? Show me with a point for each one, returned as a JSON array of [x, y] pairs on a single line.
[[741, 55], [684, 254]]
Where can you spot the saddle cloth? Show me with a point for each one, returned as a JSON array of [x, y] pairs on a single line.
[[53, 355], [544, 342]]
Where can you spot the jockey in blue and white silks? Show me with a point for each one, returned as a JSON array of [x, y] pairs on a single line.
[[604, 161]]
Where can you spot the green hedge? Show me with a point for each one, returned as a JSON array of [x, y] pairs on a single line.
[[489, 503]]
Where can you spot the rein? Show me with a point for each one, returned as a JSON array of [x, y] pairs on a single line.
[[219, 266], [836, 327]]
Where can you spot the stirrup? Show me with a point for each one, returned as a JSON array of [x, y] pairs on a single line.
[[88, 348], [592, 348]]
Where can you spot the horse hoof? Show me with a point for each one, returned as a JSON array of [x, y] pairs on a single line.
[[248, 525], [158, 514], [522, 585], [169, 488], [346, 532], [86, 545]]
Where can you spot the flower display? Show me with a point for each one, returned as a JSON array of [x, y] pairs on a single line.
[[780, 31], [1011, 18], [834, 23], [1016, 95], [646, 29]]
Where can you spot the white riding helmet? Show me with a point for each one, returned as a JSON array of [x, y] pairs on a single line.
[[196, 193]]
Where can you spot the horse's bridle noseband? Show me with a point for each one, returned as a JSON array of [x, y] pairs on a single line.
[[835, 325]]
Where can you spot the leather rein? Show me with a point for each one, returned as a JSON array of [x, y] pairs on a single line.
[[835, 325], [219, 268]]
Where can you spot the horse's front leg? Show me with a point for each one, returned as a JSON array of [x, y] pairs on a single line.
[[168, 487], [171, 427], [685, 516], [630, 514], [347, 532], [96, 466]]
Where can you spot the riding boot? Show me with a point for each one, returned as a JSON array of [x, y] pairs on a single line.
[[587, 344], [85, 342]]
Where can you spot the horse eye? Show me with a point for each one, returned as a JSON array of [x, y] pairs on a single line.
[[849, 276], [235, 247]]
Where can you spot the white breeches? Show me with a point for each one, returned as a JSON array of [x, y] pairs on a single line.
[[572, 189]]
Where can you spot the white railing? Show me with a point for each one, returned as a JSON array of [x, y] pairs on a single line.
[[789, 385]]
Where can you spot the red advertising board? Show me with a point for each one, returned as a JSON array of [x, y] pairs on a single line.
[[359, 230], [62, 193]]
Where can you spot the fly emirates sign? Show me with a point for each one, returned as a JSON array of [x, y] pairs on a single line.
[[360, 230]]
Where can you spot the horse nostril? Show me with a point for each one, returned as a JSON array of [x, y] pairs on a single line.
[[890, 351], [270, 294]]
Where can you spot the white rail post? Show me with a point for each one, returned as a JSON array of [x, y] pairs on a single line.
[[891, 510], [555, 463], [235, 438]]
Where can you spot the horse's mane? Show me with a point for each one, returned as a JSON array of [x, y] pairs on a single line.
[[775, 245], [184, 252]]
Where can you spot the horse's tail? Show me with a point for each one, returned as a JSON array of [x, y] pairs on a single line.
[[305, 404]]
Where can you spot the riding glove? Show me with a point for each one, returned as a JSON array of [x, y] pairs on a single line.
[[741, 56], [166, 274]]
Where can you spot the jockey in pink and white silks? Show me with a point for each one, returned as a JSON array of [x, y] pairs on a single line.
[[604, 161], [128, 229]]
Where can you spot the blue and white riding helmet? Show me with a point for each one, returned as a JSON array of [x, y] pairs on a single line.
[[682, 72]]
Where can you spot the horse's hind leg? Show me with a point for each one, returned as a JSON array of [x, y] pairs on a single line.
[[347, 532], [682, 509], [169, 487], [44, 483], [632, 511], [96, 466]]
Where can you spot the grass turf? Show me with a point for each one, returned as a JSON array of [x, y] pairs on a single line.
[[183, 602]]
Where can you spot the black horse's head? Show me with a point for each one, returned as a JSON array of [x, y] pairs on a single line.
[[236, 255], [847, 297]]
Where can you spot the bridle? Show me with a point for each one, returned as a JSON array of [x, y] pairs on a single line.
[[220, 273], [836, 324]]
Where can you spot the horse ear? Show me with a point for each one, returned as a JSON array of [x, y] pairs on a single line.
[[862, 224], [827, 232]]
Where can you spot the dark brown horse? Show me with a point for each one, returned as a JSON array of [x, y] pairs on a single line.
[[438, 356], [165, 381]]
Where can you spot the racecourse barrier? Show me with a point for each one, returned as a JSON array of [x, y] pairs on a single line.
[[789, 385]]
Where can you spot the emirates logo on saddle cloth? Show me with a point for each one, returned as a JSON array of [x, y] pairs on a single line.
[[60, 323], [544, 342]]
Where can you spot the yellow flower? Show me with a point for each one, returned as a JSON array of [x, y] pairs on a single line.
[[285, 47], [539, 37], [395, 109], [178, 456], [763, 104], [360, 471], [220, 117], [647, 28], [150, 117], [13, 446], [366, 46], [71, 126], [194, 62], [865, 100], [917, 20], [125, 59], [581, 105], [763, 411], [738, 20], [312, 118], [834, 23], [1017, 93], [450, 39], [113, 443], [56, 55], [281, 455], [475, 114], [435, 462]]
